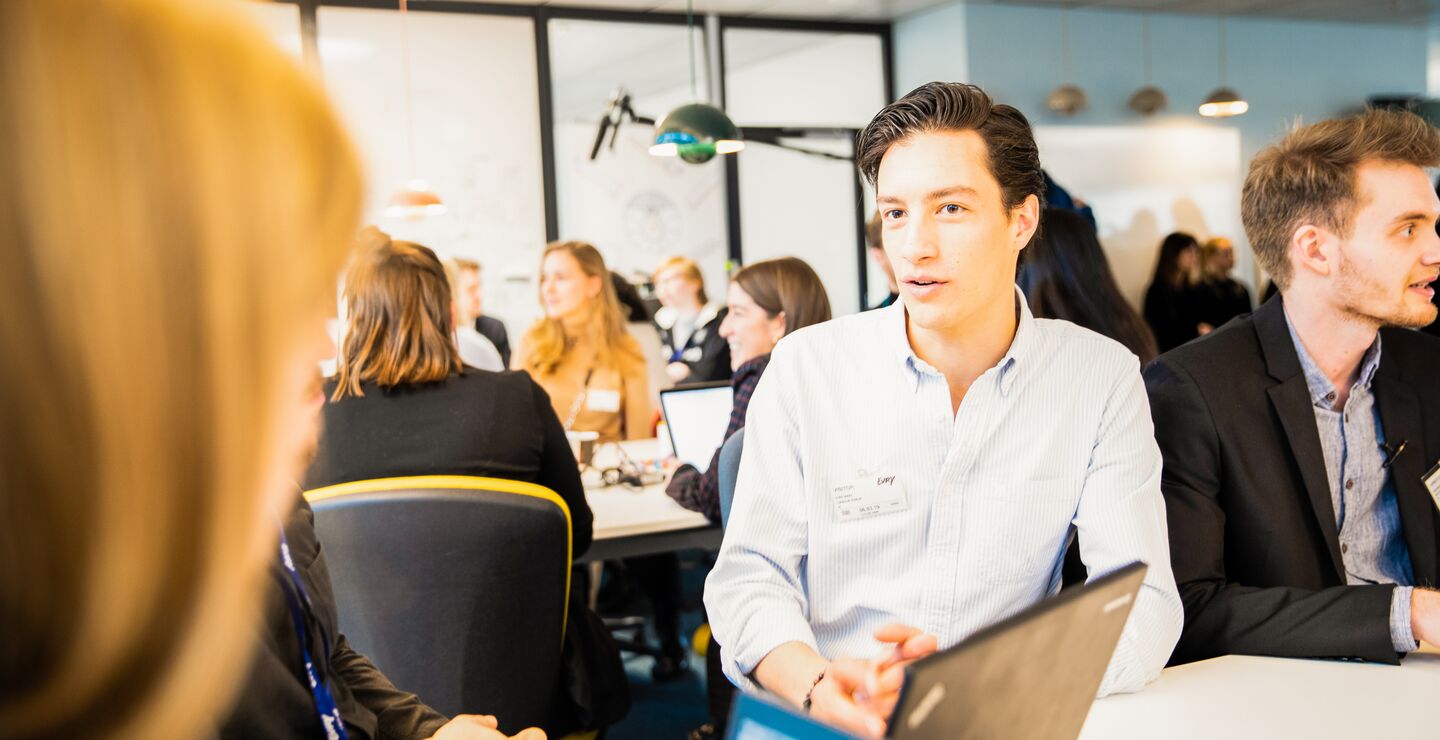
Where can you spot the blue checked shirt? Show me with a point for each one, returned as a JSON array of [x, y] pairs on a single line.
[[1057, 434], [1366, 513]]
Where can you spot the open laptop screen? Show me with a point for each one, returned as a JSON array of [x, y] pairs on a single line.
[[696, 417]]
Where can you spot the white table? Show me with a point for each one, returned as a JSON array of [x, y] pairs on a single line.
[[640, 521], [1238, 697]]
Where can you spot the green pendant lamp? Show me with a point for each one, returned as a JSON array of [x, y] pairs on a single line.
[[695, 132]]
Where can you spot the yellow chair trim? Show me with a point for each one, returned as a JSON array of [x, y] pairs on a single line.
[[469, 483]]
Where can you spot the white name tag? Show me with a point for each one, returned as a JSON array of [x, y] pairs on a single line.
[[869, 494], [1432, 483], [603, 401]]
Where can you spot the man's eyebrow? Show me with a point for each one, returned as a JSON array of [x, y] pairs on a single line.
[[945, 192], [952, 190], [1412, 216]]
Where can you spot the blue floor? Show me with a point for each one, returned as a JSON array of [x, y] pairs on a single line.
[[670, 710]]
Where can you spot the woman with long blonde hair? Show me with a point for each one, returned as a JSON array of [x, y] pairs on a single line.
[[177, 200], [580, 352]]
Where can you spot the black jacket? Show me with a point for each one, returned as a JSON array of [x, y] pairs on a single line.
[[705, 351], [1253, 540], [494, 330], [497, 425], [276, 704], [1173, 314]]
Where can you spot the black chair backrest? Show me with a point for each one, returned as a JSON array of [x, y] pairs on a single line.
[[455, 587]]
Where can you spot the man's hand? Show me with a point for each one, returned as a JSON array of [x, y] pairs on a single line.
[[887, 672], [1425, 615], [480, 727], [858, 696], [833, 700]]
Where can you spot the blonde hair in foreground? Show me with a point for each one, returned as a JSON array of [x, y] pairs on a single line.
[[177, 198]]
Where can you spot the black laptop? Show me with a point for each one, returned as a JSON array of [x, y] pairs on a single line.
[[1031, 676]]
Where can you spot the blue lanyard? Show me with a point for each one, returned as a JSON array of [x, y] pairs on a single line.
[[325, 707]]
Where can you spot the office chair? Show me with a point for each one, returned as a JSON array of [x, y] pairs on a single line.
[[729, 470], [456, 587]]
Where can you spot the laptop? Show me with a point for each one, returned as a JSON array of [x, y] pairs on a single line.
[[1031, 676], [696, 415], [753, 718]]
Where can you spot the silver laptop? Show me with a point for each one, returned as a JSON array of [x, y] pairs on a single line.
[[1031, 676], [696, 416]]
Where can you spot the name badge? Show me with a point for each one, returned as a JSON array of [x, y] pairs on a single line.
[[1432, 483], [869, 495], [603, 401]]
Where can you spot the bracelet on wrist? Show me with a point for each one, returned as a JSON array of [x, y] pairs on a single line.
[[805, 705]]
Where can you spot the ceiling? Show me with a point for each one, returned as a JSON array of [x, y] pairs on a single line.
[[1386, 12]]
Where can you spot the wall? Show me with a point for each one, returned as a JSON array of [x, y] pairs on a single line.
[[1285, 69]]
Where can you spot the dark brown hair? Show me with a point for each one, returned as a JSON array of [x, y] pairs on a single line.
[[1167, 263], [786, 284], [954, 106], [1067, 276], [400, 329], [1309, 178]]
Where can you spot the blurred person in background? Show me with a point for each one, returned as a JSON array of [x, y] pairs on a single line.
[[1171, 308], [471, 305], [1065, 275], [689, 324], [1219, 297], [580, 351], [476, 349]]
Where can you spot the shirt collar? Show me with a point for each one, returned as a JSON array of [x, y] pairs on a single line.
[[1322, 391], [1021, 347]]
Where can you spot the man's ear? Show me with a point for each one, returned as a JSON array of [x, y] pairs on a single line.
[[1024, 220], [1313, 249]]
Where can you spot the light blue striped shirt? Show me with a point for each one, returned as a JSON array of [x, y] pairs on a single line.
[[1057, 434], [1367, 516]]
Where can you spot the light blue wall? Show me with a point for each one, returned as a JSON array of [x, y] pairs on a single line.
[[1284, 69]]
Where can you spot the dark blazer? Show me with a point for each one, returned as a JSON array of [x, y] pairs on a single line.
[[494, 330], [1253, 540], [705, 352], [497, 425], [275, 702]]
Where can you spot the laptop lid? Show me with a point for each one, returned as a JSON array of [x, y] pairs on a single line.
[[753, 718], [1031, 676], [696, 416]]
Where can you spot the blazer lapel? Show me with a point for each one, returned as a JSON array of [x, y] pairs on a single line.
[[1400, 418], [1291, 399]]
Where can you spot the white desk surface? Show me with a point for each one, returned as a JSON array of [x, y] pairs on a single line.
[[621, 511], [1238, 697]]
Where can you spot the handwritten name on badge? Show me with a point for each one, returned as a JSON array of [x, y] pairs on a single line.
[[869, 495]]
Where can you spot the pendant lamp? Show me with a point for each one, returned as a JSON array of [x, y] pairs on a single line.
[[695, 132], [1068, 99], [415, 199], [1223, 101], [1149, 99]]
